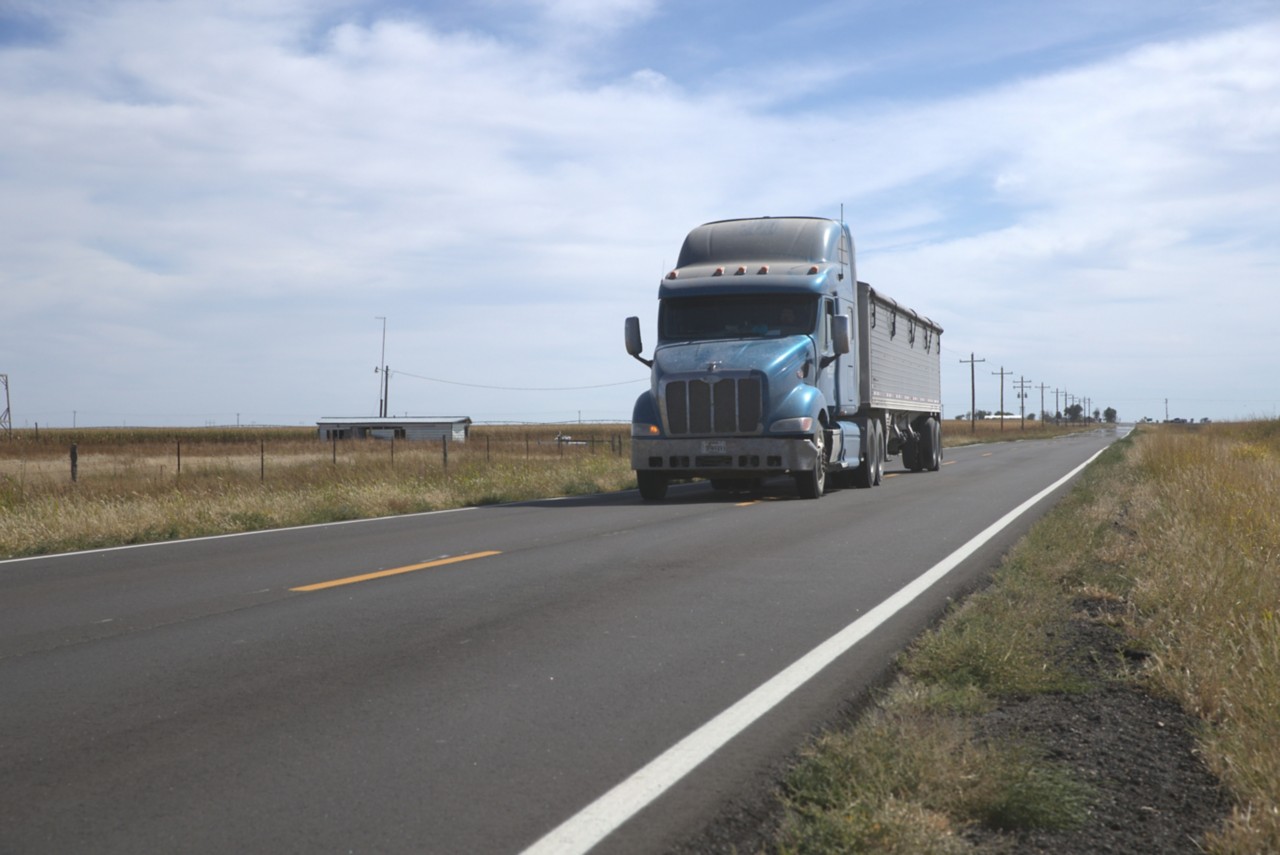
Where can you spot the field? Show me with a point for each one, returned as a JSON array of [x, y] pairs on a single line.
[[140, 485], [956, 432]]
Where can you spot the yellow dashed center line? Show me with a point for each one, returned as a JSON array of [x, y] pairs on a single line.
[[394, 571]]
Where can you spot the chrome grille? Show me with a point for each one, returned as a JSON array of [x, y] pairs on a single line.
[[714, 407]]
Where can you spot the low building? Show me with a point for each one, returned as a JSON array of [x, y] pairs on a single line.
[[455, 429]]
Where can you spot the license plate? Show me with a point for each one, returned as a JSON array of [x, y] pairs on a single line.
[[713, 446]]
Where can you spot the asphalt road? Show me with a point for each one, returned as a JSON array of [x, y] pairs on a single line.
[[205, 696]]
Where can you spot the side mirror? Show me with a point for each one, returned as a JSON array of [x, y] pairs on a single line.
[[841, 334], [634, 346]]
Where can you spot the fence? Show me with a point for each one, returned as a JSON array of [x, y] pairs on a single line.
[[108, 456]]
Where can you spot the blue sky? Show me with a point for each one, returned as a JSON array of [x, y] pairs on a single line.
[[208, 205]]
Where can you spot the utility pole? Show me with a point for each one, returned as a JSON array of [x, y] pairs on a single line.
[[6, 420], [382, 369], [1022, 385], [386, 390], [1043, 386], [973, 394], [1002, 374]]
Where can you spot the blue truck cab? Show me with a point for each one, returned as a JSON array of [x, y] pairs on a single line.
[[760, 367]]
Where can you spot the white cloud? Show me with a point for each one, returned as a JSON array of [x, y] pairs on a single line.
[[291, 175]]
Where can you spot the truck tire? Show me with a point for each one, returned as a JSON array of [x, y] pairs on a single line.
[[930, 458], [653, 485], [911, 455], [812, 484], [868, 473], [878, 469]]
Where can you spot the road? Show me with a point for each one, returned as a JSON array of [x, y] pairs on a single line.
[[283, 692]]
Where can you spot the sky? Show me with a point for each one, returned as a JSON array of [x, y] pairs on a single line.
[[220, 212]]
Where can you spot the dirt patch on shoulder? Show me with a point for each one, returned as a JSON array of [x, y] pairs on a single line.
[[1151, 791]]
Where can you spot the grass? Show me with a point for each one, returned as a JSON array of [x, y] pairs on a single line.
[[137, 485], [1178, 528], [141, 485], [1208, 545], [956, 432]]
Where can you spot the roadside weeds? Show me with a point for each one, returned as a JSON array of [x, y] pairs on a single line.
[[1116, 687]]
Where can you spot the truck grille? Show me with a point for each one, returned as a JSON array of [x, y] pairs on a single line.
[[715, 407]]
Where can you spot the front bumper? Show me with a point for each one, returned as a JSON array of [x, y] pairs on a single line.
[[727, 457]]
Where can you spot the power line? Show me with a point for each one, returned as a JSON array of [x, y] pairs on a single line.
[[522, 388]]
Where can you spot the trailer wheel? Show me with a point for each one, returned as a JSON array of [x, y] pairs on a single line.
[[813, 483], [931, 445], [653, 485], [913, 454]]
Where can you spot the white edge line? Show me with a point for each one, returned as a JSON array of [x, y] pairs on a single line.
[[592, 824], [260, 531]]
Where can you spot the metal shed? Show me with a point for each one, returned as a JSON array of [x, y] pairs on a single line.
[[455, 428]]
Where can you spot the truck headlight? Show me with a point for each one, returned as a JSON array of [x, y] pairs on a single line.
[[800, 425], [642, 429]]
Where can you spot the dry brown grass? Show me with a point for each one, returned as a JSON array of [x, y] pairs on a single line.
[[1206, 556], [141, 485], [1179, 529], [956, 432]]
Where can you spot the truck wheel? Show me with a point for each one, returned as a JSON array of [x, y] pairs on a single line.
[[653, 485], [867, 474], [813, 483], [878, 469], [931, 445], [912, 454], [935, 458]]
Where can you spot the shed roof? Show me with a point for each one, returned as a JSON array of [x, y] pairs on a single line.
[[389, 420]]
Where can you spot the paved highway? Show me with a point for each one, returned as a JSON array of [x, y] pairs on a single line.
[[551, 675]]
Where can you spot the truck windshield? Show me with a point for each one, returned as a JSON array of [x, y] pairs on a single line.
[[736, 316]]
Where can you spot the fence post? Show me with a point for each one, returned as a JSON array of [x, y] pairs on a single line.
[[179, 457], [262, 460], [444, 451], [486, 449], [75, 459]]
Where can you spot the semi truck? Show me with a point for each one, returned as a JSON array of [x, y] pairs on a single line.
[[774, 359]]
